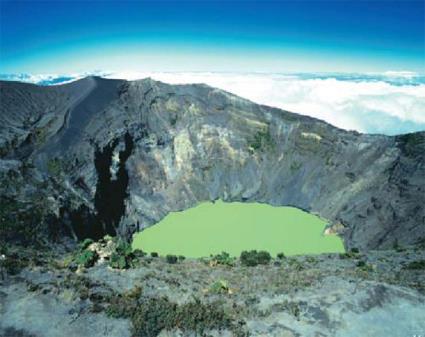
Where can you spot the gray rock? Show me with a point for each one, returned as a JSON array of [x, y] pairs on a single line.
[[39, 314]]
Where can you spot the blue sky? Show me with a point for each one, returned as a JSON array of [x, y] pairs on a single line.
[[277, 36]]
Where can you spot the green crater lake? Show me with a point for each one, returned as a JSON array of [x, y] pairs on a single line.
[[213, 227]]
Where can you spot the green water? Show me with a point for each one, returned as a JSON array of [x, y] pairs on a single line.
[[211, 228]]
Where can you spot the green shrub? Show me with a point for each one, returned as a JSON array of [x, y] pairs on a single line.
[[107, 238], [54, 167], [263, 257], [311, 259], [249, 258], [123, 305], [364, 266], [172, 259], [124, 248], [123, 256], [253, 258], [154, 254], [219, 287], [182, 258], [415, 265], [280, 256], [198, 317], [118, 261], [295, 166], [294, 309], [352, 254], [224, 259], [85, 243], [139, 253], [361, 263], [153, 316], [261, 140], [87, 258]]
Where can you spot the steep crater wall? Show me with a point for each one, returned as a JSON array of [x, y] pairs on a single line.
[[153, 148]]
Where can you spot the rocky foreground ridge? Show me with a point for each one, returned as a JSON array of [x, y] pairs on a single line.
[[98, 156], [50, 293]]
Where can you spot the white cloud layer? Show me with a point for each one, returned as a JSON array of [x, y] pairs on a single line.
[[389, 103]]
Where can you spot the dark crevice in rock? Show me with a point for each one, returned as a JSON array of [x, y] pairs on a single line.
[[111, 193], [103, 162], [109, 201]]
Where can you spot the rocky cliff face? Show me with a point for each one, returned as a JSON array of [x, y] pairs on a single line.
[[115, 156]]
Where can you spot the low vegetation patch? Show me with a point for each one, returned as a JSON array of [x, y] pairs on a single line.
[[354, 253], [151, 315], [22, 222], [415, 265], [171, 259], [123, 257], [54, 167], [253, 258], [223, 259], [118, 253], [87, 258], [220, 287], [280, 256], [262, 140], [363, 265], [85, 244]]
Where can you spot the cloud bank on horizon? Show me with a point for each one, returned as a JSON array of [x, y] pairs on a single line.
[[389, 103]]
